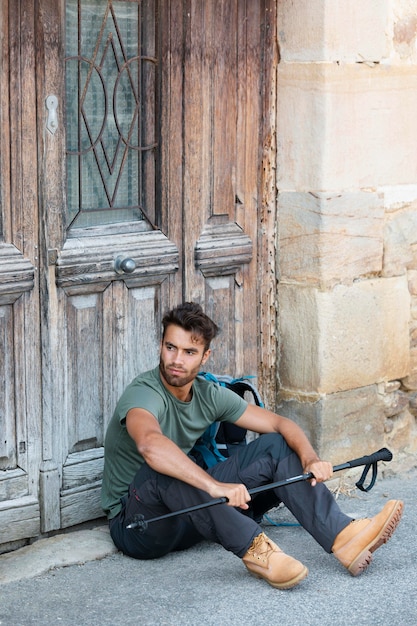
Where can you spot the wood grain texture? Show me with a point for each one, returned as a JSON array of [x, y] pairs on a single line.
[[20, 403]]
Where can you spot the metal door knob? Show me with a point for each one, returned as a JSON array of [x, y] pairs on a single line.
[[124, 265]]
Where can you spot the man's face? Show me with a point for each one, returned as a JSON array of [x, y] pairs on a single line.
[[182, 355]]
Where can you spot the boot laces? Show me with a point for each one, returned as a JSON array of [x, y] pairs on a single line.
[[261, 547]]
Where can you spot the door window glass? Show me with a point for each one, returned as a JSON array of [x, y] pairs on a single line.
[[111, 104]]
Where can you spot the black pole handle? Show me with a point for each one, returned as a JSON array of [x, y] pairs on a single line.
[[381, 455]]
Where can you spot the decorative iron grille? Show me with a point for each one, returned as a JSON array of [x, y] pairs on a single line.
[[111, 110]]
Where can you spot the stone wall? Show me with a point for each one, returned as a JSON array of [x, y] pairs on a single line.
[[347, 224]]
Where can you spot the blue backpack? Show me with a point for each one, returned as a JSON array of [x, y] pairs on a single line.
[[222, 438]]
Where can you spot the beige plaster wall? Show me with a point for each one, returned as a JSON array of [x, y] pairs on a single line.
[[347, 222]]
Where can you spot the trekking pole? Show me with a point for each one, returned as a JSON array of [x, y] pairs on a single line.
[[369, 461]]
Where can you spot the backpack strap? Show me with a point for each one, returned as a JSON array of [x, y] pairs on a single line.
[[207, 447], [238, 385], [242, 385], [206, 450]]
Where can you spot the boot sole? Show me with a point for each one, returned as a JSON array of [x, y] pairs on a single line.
[[365, 557], [288, 584]]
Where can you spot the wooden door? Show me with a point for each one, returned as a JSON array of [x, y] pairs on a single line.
[[145, 162], [99, 211], [20, 391], [226, 242]]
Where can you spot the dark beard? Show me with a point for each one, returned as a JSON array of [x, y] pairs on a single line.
[[173, 380]]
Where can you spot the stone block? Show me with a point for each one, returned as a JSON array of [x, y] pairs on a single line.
[[346, 126], [319, 30], [409, 382], [413, 310], [404, 31], [344, 338], [400, 240], [325, 238], [340, 426], [402, 441], [399, 197]]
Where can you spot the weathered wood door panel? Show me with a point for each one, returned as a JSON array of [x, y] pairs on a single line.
[[229, 83], [20, 394], [155, 152], [100, 320], [111, 335]]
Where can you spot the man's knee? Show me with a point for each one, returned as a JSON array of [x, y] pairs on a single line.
[[272, 444], [268, 446], [151, 542]]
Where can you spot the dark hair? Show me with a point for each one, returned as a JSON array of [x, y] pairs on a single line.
[[191, 317]]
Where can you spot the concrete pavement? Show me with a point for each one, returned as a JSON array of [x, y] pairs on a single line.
[[79, 578], [73, 548]]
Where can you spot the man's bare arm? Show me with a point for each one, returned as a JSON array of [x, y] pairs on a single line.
[[261, 420], [165, 457]]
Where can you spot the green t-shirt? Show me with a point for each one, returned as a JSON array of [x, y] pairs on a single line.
[[182, 422]]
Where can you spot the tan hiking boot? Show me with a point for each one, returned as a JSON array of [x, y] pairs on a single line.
[[354, 545], [265, 559]]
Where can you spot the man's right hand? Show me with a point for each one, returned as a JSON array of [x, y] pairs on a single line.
[[236, 494]]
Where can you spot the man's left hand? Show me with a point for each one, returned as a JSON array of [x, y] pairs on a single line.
[[321, 470]]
